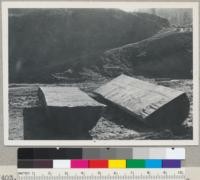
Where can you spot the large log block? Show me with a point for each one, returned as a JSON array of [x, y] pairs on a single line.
[[70, 110], [157, 106]]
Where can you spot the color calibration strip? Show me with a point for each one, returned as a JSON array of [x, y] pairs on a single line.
[[102, 153], [111, 164]]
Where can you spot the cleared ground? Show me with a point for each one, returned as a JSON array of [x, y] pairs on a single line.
[[109, 126]]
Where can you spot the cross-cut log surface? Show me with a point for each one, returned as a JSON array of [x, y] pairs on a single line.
[[155, 105], [70, 110], [66, 97]]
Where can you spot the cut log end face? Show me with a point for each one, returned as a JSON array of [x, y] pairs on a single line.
[[66, 97], [171, 114], [157, 106], [70, 110]]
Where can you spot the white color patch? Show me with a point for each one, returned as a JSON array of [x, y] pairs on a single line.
[[59, 164], [175, 153]]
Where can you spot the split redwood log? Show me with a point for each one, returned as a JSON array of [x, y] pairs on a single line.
[[157, 106], [70, 110]]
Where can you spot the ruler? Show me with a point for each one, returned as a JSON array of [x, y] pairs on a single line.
[[101, 174]]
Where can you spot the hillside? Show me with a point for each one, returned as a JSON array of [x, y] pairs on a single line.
[[165, 55], [44, 43]]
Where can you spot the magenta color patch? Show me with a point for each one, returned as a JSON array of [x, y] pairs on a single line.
[[79, 163]]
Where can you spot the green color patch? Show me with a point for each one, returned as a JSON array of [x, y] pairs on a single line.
[[135, 163]]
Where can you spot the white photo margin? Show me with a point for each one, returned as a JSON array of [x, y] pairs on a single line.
[[100, 4]]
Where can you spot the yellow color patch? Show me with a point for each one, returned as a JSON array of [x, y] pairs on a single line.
[[116, 163]]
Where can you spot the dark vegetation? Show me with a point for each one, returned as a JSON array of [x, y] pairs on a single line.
[[165, 55], [43, 43]]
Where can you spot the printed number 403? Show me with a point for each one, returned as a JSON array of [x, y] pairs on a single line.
[[7, 177]]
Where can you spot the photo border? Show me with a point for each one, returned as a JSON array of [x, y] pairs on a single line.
[[100, 4]]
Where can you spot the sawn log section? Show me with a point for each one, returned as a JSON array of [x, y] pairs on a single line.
[[66, 97], [155, 105], [70, 110]]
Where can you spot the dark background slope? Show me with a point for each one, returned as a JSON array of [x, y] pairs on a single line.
[[45, 42], [165, 55]]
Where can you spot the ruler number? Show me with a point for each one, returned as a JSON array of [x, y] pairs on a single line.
[[164, 172], [180, 172]]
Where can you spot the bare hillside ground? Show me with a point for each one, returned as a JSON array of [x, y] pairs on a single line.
[[25, 96]]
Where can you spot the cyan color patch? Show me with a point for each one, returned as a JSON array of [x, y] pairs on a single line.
[[153, 163]]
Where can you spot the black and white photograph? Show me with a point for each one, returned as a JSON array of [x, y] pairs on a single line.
[[94, 74]]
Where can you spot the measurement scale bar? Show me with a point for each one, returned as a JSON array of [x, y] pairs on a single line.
[[101, 174]]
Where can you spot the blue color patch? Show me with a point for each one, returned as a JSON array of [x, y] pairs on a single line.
[[153, 163]]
